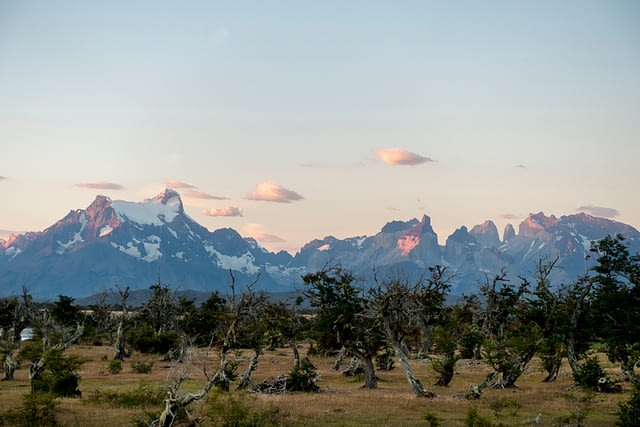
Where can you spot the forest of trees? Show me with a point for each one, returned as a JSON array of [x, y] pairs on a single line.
[[367, 324]]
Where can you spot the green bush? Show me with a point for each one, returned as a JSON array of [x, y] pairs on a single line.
[[228, 410], [593, 377], [142, 367], [431, 419], [142, 397], [629, 411], [474, 419], [36, 409], [115, 367], [30, 351], [58, 375], [505, 402], [145, 340], [304, 377]]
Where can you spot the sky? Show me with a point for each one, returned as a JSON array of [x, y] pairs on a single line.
[[295, 120]]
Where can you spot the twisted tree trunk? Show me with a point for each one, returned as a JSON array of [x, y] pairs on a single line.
[[9, 365], [417, 386], [245, 380], [339, 359], [553, 363]]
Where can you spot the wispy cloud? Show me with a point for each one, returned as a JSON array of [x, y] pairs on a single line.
[[398, 156], [599, 211], [226, 211], [193, 194], [3, 178], [270, 191], [100, 185], [521, 166], [178, 184], [257, 232], [509, 216]]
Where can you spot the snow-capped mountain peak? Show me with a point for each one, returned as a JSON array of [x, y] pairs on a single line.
[[158, 210]]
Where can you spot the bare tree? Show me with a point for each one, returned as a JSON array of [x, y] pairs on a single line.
[[246, 308], [161, 310], [510, 342], [102, 317], [395, 303], [16, 314], [430, 298], [123, 317], [52, 332]]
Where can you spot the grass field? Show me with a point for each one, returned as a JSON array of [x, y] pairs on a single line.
[[341, 402]]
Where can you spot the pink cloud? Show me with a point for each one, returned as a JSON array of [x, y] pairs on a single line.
[[201, 195], [599, 211], [257, 232], [178, 184], [2, 177], [509, 216], [226, 211], [100, 185], [270, 191], [268, 238], [398, 156]]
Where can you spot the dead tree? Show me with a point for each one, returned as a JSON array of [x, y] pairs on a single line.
[[546, 310], [120, 350], [394, 302], [65, 339], [576, 302], [510, 340], [339, 359], [245, 309], [430, 295], [16, 314], [102, 316]]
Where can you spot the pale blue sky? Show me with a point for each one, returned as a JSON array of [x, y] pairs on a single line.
[[227, 95]]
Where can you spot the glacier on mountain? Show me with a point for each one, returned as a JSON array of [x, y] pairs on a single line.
[[150, 212]]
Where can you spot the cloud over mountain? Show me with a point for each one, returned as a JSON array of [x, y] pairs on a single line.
[[398, 156], [509, 216], [193, 194], [270, 191], [100, 185], [226, 211], [599, 211], [258, 232], [178, 184]]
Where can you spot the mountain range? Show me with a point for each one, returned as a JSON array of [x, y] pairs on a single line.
[[132, 244]]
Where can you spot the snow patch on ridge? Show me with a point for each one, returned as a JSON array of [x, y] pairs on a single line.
[[244, 263], [149, 212], [131, 249], [77, 237], [12, 252]]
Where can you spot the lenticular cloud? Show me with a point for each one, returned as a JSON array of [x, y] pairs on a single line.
[[172, 183], [398, 156], [270, 191], [100, 185], [599, 211]]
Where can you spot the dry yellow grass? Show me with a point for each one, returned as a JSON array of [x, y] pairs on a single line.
[[342, 401]]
